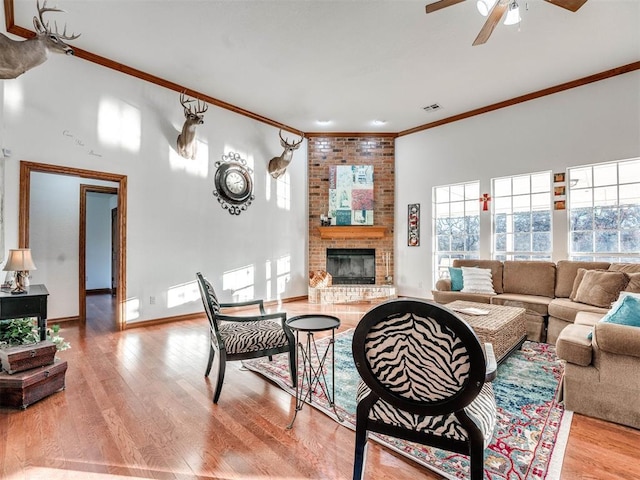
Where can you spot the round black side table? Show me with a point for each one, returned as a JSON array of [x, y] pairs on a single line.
[[311, 374]]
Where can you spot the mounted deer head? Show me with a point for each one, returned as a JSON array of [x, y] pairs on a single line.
[[278, 165], [16, 57], [187, 142]]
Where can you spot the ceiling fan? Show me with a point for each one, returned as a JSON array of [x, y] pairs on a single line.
[[498, 10]]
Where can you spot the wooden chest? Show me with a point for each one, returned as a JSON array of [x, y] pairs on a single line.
[[24, 388], [25, 357]]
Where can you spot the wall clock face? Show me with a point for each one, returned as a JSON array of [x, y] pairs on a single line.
[[233, 183]]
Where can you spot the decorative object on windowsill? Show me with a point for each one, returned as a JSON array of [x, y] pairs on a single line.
[[20, 261], [278, 165], [413, 225], [233, 183]]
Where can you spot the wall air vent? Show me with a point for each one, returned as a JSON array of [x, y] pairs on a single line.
[[432, 108]]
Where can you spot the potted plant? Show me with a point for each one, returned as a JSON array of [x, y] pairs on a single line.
[[23, 331]]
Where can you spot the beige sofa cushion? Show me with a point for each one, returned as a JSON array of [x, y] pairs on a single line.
[[574, 345], [443, 297], [534, 304], [566, 310], [601, 289], [529, 278], [566, 271], [494, 265], [634, 283], [588, 318], [625, 267]]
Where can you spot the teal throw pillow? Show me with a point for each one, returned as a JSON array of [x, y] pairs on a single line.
[[625, 312], [455, 274]]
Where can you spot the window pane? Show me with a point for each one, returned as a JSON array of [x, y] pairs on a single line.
[[629, 193], [605, 196], [541, 242], [540, 183], [630, 217], [606, 241], [629, 172], [605, 175], [582, 242], [522, 222], [472, 190], [630, 241], [442, 194], [443, 243], [442, 210], [605, 218], [541, 221], [500, 223], [522, 242], [500, 241], [581, 219], [502, 205], [502, 187], [442, 226], [457, 193], [581, 178], [581, 198], [521, 185]]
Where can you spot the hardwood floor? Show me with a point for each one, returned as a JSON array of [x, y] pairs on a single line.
[[138, 406]]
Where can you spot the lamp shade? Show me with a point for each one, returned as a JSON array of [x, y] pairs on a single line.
[[20, 260], [513, 14]]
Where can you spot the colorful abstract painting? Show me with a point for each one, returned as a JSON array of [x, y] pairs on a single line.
[[351, 194]]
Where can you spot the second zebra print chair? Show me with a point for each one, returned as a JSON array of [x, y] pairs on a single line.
[[424, 379], [235, 337]]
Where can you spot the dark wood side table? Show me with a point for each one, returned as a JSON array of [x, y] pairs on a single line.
[[313, 362], [30, 304]]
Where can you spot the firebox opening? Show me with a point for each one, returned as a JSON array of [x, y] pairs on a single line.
[[352, 266]]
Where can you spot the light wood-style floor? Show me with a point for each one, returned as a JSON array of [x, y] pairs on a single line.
[[138, 406]]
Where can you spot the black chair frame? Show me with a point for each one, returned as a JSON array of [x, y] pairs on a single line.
[[217, 347], [478, 374]]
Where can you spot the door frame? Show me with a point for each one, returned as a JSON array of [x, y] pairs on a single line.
[[82, 244], [23, 228]]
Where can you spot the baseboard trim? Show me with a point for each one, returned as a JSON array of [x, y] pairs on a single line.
[[158, 321]]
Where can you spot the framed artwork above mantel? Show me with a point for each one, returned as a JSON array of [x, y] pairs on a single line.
[[351, 194]]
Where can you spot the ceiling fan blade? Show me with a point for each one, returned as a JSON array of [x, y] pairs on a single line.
[[572, 5], [492, 20], [432, 7]]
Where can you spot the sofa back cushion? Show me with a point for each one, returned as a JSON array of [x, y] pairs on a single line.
[[634, 283], [566, 271], [601, 288], [494, 265], [529, 278], [625, 267]]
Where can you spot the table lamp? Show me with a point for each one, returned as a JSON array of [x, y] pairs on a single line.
[[20, 261]]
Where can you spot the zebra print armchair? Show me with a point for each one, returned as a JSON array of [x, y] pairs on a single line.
[[424, 379], [234, 337]]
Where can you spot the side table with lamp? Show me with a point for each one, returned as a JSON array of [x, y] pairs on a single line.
[[23, 300]]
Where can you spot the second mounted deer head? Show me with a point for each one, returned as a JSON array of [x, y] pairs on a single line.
[[187, 143], [16, 57], [278, 165]]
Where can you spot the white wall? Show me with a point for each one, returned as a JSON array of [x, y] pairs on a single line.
[[175, 227], [98, 244], [594, 123]]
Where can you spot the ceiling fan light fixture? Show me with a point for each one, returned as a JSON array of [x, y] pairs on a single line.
[[485, 6], [513, 14]]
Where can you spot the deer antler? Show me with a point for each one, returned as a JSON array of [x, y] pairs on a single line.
[[293, 145], [44, 9], [199, 107]]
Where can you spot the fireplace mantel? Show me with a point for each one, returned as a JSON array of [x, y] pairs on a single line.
[[352, 231]]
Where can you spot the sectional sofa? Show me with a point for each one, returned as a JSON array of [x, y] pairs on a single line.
[[569, 304], [552, 293]]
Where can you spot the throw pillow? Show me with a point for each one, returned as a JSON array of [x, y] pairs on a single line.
[[576, 283], [626, 312], [455, 274], [477, 280], [601, 288]]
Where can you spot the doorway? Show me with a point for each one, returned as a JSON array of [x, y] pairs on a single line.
[[26, 168]]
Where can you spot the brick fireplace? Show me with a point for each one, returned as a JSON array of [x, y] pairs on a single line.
[[379, 151]]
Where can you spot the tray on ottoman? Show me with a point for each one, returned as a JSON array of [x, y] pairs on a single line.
[[503, 327], [25, 357], [24, 388]]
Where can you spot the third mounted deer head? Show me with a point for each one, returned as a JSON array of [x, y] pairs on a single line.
[[187, 143], [16, 57], [278, 165]]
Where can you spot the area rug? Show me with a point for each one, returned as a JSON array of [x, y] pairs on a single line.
[[532, 428]]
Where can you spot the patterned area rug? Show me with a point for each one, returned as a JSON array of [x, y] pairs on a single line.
[[531, 432]]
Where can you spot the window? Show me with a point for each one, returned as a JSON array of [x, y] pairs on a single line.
[[522, 217], [456, 224], [604, 212]]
